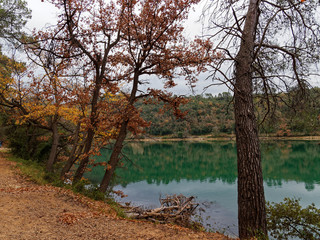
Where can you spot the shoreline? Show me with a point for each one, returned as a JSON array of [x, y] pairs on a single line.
[[231, 138], [33, 211]]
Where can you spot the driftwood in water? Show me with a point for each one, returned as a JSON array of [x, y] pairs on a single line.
[[174, 208]]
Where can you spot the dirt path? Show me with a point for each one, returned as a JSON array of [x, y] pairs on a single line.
[[29, 211]]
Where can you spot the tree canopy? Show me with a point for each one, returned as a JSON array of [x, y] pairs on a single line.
[[89, 70], [13, 17]]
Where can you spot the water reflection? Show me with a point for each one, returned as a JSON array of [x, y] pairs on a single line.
[[208, 171], [158, 163], [291, 161]]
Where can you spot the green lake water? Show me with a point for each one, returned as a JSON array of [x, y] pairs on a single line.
[[208, 172]]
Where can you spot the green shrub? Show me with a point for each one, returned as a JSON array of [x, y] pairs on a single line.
[[288, 220], [116, 207], [24, 142], [87, 189]]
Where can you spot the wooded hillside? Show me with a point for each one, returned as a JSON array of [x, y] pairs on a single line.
[[213, 115]]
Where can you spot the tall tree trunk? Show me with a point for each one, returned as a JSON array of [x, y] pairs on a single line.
[[73, 154], [251, 200], [72, 159], [91, 131], [31, 145], [84, 162], [54, 147], [114, 158], [117, 148]]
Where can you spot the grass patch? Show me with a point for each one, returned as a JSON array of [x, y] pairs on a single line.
[[116, 207], [33, 170], [36, 172], [89, 190]]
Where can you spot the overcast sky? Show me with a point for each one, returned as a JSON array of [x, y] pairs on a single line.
[[44, 14]]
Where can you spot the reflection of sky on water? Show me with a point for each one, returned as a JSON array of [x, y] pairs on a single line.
[[293, 189], [222, 196], [219, 196]]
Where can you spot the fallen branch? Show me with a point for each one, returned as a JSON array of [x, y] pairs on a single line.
[[174, 209]]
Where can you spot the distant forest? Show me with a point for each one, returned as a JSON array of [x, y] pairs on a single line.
[[286, 114]]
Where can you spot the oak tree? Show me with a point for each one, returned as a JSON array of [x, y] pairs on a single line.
[[85, 36], [153, 44]]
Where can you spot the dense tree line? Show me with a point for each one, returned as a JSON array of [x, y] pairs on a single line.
[[204, 115], [294, 114]]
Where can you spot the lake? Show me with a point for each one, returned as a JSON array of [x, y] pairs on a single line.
[[208, 172]]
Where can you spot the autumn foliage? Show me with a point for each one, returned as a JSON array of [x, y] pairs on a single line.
[[88, 71]]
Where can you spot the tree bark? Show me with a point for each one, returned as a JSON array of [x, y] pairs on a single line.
[[73, 154], [90, 132], [251, 200], [84, 162], [54, 147], [114, 158], [115, 155]]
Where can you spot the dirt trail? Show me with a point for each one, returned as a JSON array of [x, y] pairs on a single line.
[[29, 211]]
